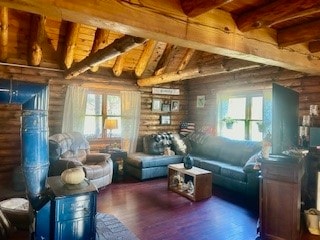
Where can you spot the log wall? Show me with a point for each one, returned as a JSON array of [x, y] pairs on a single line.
[[307, 86], [10, 114]]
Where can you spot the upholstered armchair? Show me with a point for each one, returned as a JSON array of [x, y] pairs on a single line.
[[69, 150]]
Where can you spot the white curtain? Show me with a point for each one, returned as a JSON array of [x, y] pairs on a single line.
[[131, 105], [74, 109]]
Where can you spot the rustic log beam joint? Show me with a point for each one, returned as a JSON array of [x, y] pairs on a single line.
[[227, 66], [116, 48], [118, 66], [276, 12], [3, 34], [193, 8], [100, 41], [37, 33]]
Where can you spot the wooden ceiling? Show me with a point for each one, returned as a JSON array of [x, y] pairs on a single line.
[[160, 41]]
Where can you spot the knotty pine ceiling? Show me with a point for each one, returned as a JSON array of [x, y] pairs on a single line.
[[31, 34]]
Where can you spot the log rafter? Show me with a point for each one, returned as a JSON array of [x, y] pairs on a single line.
[[186, 59], [71, 38], [118, 65], [37, 34], [304, 32], [165, 59], [116, 48], [193, 8], [3, 33], [100, 41], [276, 12], [223, 66], [145, 57]]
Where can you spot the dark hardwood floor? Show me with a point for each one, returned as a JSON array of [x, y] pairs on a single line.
[[152, 212]]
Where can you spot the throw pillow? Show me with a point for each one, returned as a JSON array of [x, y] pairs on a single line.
[[179, 146], [253, 164]]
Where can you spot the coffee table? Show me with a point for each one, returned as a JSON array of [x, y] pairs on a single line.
[[194, 184]]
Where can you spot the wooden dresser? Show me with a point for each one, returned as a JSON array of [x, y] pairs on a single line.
[[280, 198]]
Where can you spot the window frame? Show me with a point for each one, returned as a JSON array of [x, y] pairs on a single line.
[[248, 95], [104, 113]]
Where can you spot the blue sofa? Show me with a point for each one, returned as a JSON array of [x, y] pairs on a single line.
[[233, 163]]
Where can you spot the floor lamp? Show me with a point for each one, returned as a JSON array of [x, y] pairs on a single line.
[[110, 124]]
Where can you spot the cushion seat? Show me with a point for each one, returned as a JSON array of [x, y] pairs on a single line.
[[143, 160], [234, 172]]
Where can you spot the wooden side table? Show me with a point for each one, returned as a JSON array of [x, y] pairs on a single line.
[[201, 180], [117, 156]]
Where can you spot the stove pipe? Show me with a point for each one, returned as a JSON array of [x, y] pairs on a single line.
[[34, 133]]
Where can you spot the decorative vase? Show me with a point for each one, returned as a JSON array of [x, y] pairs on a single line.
[[188, 161]]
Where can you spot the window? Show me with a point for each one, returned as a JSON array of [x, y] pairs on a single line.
[[100, 107], [247, 111]]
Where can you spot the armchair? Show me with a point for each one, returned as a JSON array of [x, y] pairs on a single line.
[[69, 150]]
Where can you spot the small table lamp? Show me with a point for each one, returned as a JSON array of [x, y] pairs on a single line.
[[110, 124]]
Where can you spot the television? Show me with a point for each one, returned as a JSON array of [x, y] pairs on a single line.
[[285, 119]]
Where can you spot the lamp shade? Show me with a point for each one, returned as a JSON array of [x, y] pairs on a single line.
[[111, 124]]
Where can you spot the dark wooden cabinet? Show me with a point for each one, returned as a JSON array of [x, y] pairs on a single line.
[[70, 214], [280, 198]]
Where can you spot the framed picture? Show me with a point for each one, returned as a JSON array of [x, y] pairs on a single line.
[[201, 100], [175, 105], [156, 104], [165, 120], [165, 107]]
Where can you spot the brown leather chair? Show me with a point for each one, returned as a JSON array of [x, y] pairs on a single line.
[[68, 150]]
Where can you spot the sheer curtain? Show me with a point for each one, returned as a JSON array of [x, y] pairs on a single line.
[[74, 109], [131, 105]]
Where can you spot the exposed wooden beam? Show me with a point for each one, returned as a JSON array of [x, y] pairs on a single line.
[[227, 66], [3, 34], [277, 12], [116, 48], [186, 59], [314, 46], [301, 33], [220, 35], [165, 59], [144, 58], [118, 65], [100, 41], [193, 8], [37, 34], [71, 39]]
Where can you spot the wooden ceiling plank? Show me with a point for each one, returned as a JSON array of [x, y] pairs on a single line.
[[193, 8], [145, 57], [71, 39], [219, 35], [301, 33], [118, 65], [116, 48], [37, 35], [100, 41], [314, 46], [3, 34], [186, 59], [165, 59], [276, 12], [227, 66]]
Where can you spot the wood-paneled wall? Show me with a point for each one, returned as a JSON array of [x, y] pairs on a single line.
[[10, 153], [307, 86]]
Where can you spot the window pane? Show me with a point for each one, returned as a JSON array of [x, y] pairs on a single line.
[[257, 108], [237, 108], [113, 105], [93, 126], [94, 104], [236, 132], [256, 135]]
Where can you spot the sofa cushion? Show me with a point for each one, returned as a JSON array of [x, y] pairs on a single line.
[[178, 145], [210, 165], [234, 172], [143, 160]]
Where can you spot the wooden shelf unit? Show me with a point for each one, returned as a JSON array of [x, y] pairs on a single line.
[[201, 179]]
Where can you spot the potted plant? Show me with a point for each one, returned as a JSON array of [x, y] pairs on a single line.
[[229, 122], [261, 127]]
